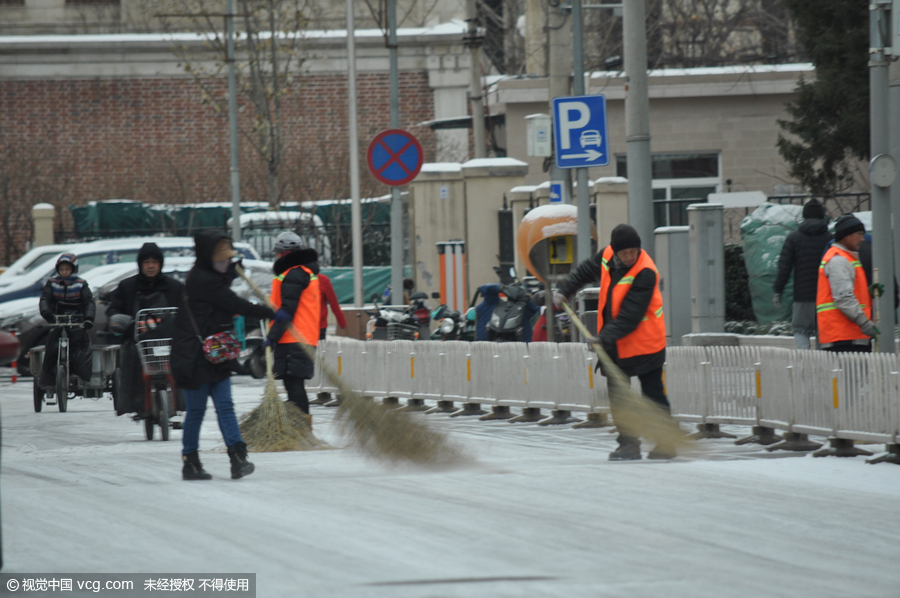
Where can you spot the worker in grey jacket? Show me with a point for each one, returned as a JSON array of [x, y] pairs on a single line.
[[843, 302]]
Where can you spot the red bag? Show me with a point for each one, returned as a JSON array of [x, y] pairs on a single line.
[[221, 347]]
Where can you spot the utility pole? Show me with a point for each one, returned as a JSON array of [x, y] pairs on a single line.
[[583, 238], [560, 70], [882, 251], [894, 135], [232, 126], [637, 123], [356, 200], [476, 101], [396, 203]]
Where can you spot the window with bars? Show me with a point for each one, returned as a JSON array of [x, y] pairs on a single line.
[[678, 181]]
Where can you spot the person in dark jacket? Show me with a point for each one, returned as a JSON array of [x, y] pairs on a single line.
[[67, 294], [208, 308], [295, 292], [147, 289], [631, 326], [801, 253], [490, 294]]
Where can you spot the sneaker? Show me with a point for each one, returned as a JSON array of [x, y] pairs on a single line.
[[662, 452], [626, 452]]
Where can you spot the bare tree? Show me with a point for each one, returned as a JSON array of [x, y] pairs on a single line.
[[31, 172], [269, 49]]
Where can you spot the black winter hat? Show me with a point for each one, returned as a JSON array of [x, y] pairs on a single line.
[[813, 209], [148, 251], [624, 236], [847, 225]]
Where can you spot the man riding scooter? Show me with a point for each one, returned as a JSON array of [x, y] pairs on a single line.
[[147, 289]]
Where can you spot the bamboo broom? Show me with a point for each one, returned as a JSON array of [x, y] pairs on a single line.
[[275, 426], [390, 435], [634, 411]]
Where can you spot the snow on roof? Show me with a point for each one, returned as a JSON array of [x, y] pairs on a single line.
[[611, 179], [42, 206], [569, 227], [524, 189], [441, 167], [279, 217], [562, 211], [454, 27], [717, 70], [483, 162]]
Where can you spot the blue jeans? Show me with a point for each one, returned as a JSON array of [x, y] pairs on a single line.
[[195, 402]]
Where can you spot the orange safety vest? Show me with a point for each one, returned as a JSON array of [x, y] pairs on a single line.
[[650, 335], [832, 323], [306, 318]]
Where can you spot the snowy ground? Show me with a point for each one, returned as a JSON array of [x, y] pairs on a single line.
[[541, 513]]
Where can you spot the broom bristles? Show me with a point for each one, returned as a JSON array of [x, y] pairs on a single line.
[[634, 411], [274, 426], [382, 433]]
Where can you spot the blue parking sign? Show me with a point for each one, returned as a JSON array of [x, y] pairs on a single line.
[[580, 132]]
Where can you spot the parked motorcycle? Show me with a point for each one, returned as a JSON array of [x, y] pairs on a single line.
[[508, 317], [453, 326]]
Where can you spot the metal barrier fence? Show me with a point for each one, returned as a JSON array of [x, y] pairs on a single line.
[[840, 395]]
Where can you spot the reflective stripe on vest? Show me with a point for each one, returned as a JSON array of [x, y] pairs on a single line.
[[650, 335], [306, 318], [832, 324]]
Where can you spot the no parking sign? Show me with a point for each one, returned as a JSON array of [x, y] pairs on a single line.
[[395, 157]]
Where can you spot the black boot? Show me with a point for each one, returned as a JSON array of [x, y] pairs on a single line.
[[628, 450], [239, 465], [193, 469]]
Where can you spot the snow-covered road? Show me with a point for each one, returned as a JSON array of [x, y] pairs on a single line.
[[541, 512]]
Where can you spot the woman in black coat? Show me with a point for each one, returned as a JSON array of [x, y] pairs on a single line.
[[209, 308]]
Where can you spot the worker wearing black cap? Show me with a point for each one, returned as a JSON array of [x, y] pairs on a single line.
[[843, 304], [630, 326]]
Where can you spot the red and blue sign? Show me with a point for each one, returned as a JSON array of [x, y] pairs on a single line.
[[395, 157]]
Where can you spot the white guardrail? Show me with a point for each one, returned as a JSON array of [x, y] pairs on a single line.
[[841, 395]]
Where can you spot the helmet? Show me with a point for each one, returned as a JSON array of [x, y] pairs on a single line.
[[287, 241], [70, 258], [121, 323]]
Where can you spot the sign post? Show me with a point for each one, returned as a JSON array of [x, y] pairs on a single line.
[[395, 158]]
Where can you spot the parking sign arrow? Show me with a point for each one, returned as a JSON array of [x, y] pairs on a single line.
[[590, 155]]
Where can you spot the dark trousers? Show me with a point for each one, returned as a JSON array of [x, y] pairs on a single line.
[[848, 347], [130, 393], [296, 391], [322, 333], [80, 357], [652, 387]]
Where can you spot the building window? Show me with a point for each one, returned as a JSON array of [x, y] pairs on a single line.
[[678, 181]]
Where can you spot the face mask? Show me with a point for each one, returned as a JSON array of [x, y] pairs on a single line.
[[221, 267]]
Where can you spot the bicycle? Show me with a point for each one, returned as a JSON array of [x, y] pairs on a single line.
[[65, 381], [152, 336]]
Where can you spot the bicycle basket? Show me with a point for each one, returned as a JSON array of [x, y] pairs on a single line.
[[154, 355], [401, 332]]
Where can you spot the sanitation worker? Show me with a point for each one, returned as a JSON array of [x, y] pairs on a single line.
[[630, 327], [843, 304], [295, 294]]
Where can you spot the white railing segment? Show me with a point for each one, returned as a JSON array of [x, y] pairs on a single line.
[[851, 396]]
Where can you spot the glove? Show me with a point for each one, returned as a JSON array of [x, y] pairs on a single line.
[[232, 268], [88, 324], [776, 300], [48, 316], [608, 344], [870, 329], [592, 340], [282, 316], [558, 299], [268, 344], [876, 289]]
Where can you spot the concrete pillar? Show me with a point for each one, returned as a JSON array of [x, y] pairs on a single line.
[[43, 214], [707, 258], [437, 214], [486, 180], [612, 206], [672, 245]]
